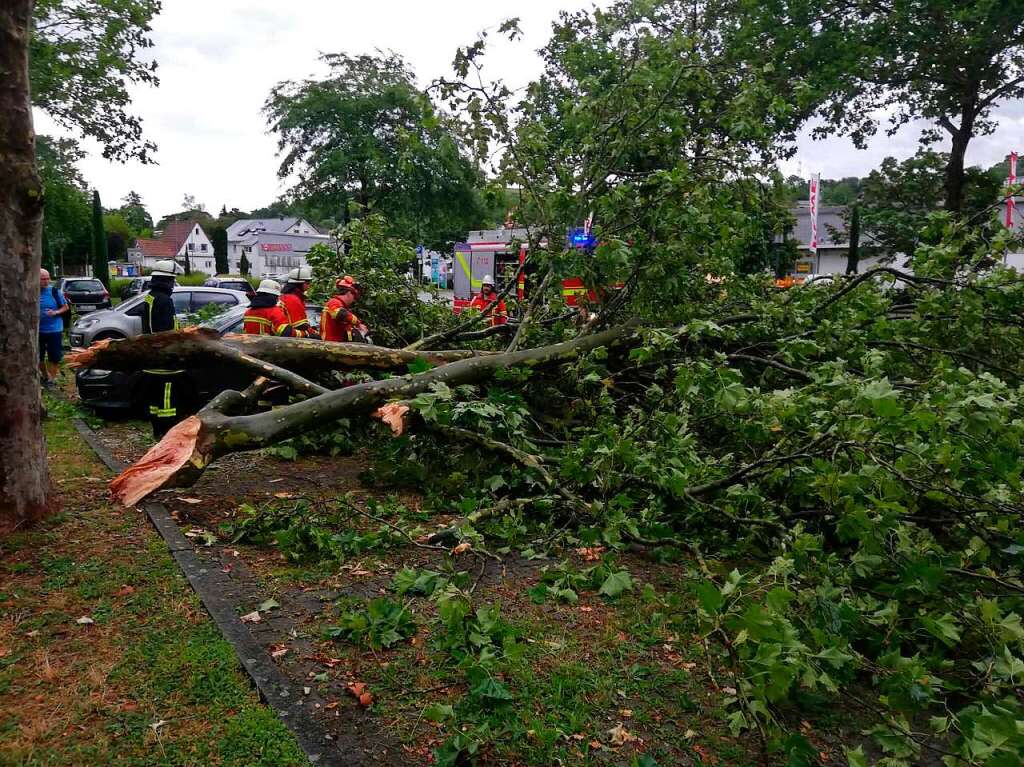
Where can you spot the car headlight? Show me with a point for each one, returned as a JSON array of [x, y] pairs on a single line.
[[85, 322]]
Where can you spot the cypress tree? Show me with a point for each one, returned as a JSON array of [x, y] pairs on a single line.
[[100, 268]]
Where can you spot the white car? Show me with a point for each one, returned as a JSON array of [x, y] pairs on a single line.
[[125, 320]]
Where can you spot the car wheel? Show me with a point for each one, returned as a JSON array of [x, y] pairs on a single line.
[[109, 335]]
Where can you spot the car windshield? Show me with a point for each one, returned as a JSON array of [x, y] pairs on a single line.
[[94, 285], [225, 321]]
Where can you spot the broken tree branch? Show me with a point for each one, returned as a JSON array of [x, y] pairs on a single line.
[[182, 456], [189, 348]]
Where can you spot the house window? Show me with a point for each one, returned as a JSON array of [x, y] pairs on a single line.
[[203, 247], [192, 246]]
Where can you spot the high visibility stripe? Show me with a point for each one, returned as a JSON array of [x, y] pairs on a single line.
[[473, 284], [258, 321], [281, 328], [573, 291]]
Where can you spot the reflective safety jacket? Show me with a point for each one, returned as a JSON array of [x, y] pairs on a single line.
[[295, 309], [158, 316], [499, 316], [267, 321], [337, 321]]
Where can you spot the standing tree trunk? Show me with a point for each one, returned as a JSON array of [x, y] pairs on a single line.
[[853, 256], [25, 493], [958, 153], [100, 269]]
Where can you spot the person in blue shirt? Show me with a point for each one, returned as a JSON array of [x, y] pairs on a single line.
[[51, 328]]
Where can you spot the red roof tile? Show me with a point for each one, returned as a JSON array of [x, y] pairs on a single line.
[[155, 248], [177, 233]]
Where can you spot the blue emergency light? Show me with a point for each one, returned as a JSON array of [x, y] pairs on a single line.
[[578, 238]]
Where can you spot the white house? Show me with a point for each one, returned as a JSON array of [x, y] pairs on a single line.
[[272, 246], [180, 240]]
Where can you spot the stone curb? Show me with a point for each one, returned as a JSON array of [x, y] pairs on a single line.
[[282, 695]]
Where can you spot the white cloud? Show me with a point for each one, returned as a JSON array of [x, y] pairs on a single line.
[[220, 58]]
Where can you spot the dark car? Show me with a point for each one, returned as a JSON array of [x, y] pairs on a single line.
[[231, 283], [111, 391], [135, 286], [85, 294]]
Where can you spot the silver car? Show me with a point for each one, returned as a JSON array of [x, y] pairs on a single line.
[[125, 320]]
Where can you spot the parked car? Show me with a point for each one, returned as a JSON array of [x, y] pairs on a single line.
[[85, 294], [231, 283], [134, 287], [125, 320], [111, 391]]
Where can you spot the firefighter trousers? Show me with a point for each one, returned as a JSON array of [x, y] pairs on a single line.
[[168, 399]]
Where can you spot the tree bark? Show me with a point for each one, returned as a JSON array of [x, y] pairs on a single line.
[[853, 257], [190, 348], [26, 491], [957, 155], [182, 456]]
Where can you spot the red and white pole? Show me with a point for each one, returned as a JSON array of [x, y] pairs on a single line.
[[1011, 182]]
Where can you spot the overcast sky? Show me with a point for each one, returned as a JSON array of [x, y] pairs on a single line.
[[219, 59]]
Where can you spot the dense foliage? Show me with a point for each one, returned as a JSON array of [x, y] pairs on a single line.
[[390, 303], [84, 56], [367, 134]]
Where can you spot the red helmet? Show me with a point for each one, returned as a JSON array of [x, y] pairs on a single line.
[[347, 283]]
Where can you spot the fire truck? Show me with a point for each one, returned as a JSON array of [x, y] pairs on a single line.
[[495, 252], [500, 253]]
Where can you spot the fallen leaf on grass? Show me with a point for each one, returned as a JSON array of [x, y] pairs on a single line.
[[278, 651], [190, 501], [269, 604], [625, 713], [462, 547], [332, 705], [85, 620], [124, 591], [620, 735], [324, 659], [284, 495], [253, 617], [157, 725]]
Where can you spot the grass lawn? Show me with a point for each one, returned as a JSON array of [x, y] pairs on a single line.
[[106, 656]]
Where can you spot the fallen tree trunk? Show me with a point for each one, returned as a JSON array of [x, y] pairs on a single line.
[[182, 456], [190, 348]]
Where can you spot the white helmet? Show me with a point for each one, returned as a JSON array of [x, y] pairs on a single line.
[[167, 268], [300, 275], [487, 280], [269, 286]]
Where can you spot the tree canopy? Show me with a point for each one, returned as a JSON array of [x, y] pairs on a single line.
[[83, 56], [367, 135], [948, 63]]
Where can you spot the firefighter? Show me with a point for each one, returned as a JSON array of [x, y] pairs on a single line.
[[293, 300], [168, 392], [486, 298], [265, 317], [339, 322]]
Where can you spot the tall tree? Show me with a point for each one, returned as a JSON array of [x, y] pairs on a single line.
[[948, 62], [66, 229], [25, 493], [120, 236], [84, 54], [369, 132], [100, 270], [134, 212]]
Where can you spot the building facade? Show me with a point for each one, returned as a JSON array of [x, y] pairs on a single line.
[[181, 240], [272, 246]]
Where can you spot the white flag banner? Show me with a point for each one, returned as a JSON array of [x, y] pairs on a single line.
[[1011, 182], [815, 193]]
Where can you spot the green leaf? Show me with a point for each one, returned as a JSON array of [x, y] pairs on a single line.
[[269, 604], [616, 583], [438, 712], [710, 598]]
